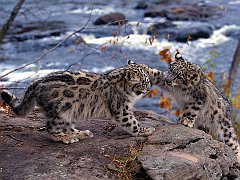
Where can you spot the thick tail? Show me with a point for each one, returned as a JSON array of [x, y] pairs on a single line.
[[25, 105], [234, 145], [237, 152], [230, 138]]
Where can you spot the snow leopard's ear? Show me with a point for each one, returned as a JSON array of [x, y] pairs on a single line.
[[131, 62], [178, 57]]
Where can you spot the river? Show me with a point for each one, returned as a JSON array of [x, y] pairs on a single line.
[[41, 25]]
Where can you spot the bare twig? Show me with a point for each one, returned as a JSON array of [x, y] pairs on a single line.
[[234, 67], [95, 49], [14, 138], [2, 88], [14, 13]]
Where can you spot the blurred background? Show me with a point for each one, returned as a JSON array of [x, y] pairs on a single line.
[[205, 32]]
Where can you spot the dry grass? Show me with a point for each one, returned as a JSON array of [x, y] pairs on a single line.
[[127, 167]]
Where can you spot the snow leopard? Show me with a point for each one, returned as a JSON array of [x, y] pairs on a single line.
[[204, 106], [65, 97]]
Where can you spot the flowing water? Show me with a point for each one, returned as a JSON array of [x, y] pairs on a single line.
[[41, 25]]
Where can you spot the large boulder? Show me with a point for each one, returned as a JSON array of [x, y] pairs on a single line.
[[160, 26], [194, 33], [233, 33], [177, 152], [173, 33], [112, 18], [36, 30], [172, 152], [185, 12], [141, 5]]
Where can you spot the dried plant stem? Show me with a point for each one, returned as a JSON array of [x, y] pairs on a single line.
[[6, 26], [234, 67]]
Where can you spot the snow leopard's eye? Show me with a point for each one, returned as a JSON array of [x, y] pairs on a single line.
[[179, 77], [193, 76], [144, 84], [182, 79]]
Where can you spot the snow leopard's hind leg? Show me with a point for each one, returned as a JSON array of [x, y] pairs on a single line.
[[65, 132]]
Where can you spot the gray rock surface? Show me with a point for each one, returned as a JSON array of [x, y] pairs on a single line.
[[111, 18], [172, 152], [177, 152], [185, 12], [141, 5], [169, 31]]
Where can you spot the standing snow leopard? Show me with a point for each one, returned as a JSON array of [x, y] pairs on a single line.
[[65, 97], [204, 106]]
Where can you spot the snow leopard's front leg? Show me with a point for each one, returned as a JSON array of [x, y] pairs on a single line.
[[158, 78], [125, 117], [190, 113]]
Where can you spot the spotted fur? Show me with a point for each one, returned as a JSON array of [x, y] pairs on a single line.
[[65, 97], [204, 106]]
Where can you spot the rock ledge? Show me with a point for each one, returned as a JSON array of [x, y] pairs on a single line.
[[172, 152]]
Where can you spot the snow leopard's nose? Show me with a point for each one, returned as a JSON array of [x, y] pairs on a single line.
[[147, 84], [168, 82]]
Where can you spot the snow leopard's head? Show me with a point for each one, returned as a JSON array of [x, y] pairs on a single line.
[[183, 73]]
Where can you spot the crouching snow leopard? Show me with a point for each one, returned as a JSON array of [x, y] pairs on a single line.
[[204, 106], [68, 96]]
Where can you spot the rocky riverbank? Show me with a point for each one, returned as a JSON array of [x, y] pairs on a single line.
[[172, 152]]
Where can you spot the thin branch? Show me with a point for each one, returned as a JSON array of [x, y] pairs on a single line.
[[13, 15], [234, 67], [50, 50], [2, 88], [14, 138], [95, 49]]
